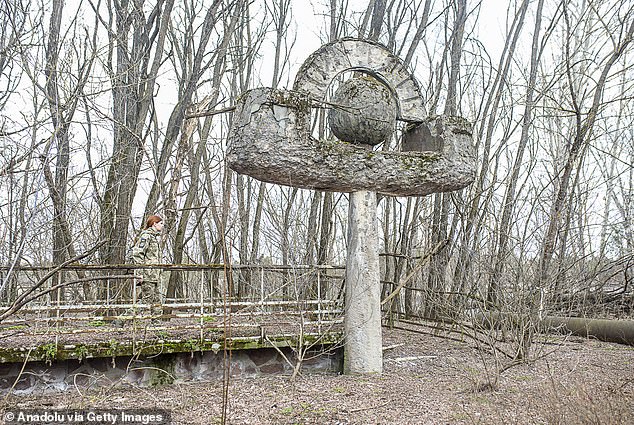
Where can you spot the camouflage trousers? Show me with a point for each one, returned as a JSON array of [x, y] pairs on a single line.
[[150, 295]]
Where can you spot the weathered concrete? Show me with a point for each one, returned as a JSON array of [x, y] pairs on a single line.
[[364, 111], [349, 54], [42, 377], [363, 343], [146, 345], [270, 141], [270, 138]]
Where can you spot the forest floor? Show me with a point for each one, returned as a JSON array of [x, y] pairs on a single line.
[[427, 380]]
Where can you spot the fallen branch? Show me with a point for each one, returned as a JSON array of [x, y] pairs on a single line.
[[410, 358], [391, 347]]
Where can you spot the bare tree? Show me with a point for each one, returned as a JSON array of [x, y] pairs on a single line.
[[13, 33], [191, 74], [580, 138], [136, 46], [509, 196], [62, 109], [440, 216]]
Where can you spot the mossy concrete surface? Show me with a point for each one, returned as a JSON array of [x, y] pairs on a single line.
[[49, 368], [51, 352]]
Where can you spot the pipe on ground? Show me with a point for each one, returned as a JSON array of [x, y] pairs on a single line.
[[620, 331], [608, 330]]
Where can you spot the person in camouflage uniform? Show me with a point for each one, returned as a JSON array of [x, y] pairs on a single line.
[[147, 250]]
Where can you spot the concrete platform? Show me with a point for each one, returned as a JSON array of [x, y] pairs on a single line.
[[42, 359]]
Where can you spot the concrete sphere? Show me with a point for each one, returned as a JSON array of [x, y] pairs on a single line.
[[364, 111]]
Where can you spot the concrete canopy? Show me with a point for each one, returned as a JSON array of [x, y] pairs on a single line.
[[270, 138]]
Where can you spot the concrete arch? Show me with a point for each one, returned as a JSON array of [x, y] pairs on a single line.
[[350, 54]]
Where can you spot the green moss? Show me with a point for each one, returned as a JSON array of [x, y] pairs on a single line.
[[14, 328], [111, 351], [112, 348], [162, 370], [191, 345], [244, 344], [15, 356], [286, 410], [81, 352], [419, 161], [48, 352]]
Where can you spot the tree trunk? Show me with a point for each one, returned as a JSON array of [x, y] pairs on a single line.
[[133, 77]]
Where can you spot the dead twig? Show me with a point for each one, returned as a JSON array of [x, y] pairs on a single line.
[[26, 360], [391, 347]]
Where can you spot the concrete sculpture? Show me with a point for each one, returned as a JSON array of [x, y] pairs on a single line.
[[271, 141]]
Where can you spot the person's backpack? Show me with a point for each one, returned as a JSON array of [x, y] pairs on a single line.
[[129, 259]]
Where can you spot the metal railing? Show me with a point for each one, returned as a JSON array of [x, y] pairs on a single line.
[[86, 298]]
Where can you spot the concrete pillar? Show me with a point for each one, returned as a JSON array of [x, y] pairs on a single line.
[[363, 343]]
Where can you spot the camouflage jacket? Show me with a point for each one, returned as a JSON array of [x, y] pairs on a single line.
[[147, 250]]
